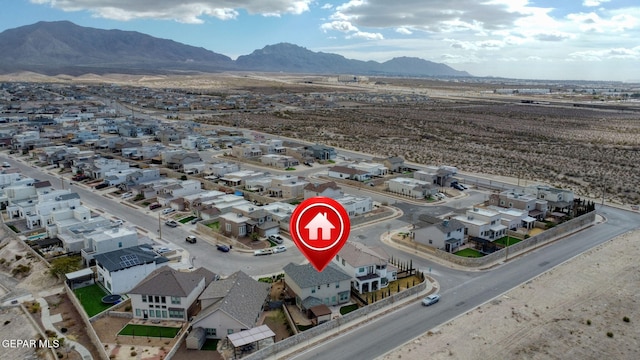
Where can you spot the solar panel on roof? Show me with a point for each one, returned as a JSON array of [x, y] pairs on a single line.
[[129, 260]]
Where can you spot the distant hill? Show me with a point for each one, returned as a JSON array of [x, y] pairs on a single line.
[[62, 47]]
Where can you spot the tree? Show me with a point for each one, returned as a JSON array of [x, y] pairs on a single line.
[[64, 265]]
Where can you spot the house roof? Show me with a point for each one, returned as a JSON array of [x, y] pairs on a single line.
[[322, 187], [166, 281], [128, 257], [451, 224], [41, 184], [357, 254], [306, 276], [240, 296], [69, 196], [347, 170]]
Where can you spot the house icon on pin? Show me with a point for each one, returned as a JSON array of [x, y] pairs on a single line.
[[320, 222]]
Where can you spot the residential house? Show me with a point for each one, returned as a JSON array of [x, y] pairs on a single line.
[[101, 166], [272, 146], [447, 235], [169, 294], [246, 151], [322, 152], [329, 189], [310, 288], [513, 218], [178, 159], [356, 205], [437, 175], [106, 239], [393, 163], [177, 190], [246, 220], [279, 161], [347, 173], [413, 188], [368, 267], [537, 208], [287, 186], [373, 169], [483, 223], [559, 200], [119, 271], [221, 169], [229, 306], [239, 178]]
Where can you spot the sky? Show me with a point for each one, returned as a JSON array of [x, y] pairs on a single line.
[[541, 39]]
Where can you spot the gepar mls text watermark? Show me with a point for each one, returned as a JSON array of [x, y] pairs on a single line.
[[30, 343]]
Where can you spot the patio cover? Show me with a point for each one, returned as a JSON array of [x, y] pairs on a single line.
[[79, 274], [250, 336]]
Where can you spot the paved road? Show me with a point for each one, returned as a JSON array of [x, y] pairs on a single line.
[[384, 334]]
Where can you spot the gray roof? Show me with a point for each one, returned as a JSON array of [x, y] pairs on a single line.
[[239, 296], [166, 281], [69, 196], [452, 224], [307, 276], [128, 257]]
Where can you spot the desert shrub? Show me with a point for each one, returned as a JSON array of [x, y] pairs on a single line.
[[626, 319], [589, 322], [610, 334]]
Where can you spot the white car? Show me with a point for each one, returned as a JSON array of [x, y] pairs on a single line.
[[6, 164], [279, 249], [168, 211], [126, 195], [431, 299], [163, 249], [118, 222]]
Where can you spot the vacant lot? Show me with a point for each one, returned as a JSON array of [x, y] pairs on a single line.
[[584, 309]]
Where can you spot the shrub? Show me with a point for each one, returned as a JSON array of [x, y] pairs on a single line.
[[589, 322], [626, 319], [610, 334], [18, 257], [133, 353]]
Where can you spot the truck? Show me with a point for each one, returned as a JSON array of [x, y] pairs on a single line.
[[263, 252]]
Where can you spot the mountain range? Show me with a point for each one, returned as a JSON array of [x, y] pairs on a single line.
[[62, 47]]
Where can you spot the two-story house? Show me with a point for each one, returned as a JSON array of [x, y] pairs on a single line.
[[169, 294], [310, 288], [329, 189], [483, 223], [243, 222], [447, 235], [368, 267]]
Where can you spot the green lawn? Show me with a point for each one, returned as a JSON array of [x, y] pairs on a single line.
[[187, 219], [149, 331], [91, 299], [503, 240], [214, 225], [472, 253], [210, 344], [348, 308]]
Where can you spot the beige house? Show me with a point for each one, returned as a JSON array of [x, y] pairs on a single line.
[[310, 288], [228, 306]]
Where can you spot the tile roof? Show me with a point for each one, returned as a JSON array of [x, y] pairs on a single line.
[[239, 295], [166, 281], [347, 170], [322, 187], [306, 276]]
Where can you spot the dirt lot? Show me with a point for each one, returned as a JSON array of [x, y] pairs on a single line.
[[587, 308]]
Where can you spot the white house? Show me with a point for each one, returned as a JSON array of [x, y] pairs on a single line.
[[447, 235], [413, 188], [368, 267], [483, 223], [107, 239], [329, 189], [169, 294], [356, 205], [343, 172], [119, 271]]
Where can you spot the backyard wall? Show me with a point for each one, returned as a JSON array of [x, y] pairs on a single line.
[[308, 335], [87, 324]]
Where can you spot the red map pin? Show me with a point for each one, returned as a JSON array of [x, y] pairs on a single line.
[[319, 226]]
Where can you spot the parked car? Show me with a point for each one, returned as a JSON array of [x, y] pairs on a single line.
[[126, 195], [279, 249], [171, 223], [276, 239], [306, 163], [118, 222], [196, 220], [191, 239], [101, 186], [222, 247], [431, 299], [457, 186], [79, 177], [168, 211], [263, 252], [6, 164], [154, 206], [163, 249]]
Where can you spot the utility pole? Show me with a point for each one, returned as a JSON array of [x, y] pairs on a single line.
[[159, 227]]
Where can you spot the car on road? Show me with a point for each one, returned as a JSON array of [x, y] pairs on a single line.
[[279, 249], [118, 222], [154, 206], [276, 239], [171, 223], [457, 186], [101, 186], [431, 299], [168, 211], [306, 163], [79, 177], [6, 164], [223, 247], [191, 239]]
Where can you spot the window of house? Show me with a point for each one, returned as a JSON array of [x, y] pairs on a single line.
[[157, 299], [164, 314], [227, 227], [176, 314], [342, 261], [313, 291], [144, 298], [318, 287], [337, 285], [211, 332], [361, 269], [344, 296], [449, 234], [328, 285], [229, 331], [163, 299], [138, 313], [175, 300], [430, 241], [242, 230]]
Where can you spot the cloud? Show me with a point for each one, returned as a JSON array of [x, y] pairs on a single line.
[[433, 16], [555, 36], [342, 26], [187, 11], [404, 31], [366, 35], [607, 54], [594, 3]]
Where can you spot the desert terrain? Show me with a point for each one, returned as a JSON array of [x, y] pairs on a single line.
[[586, 308]]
